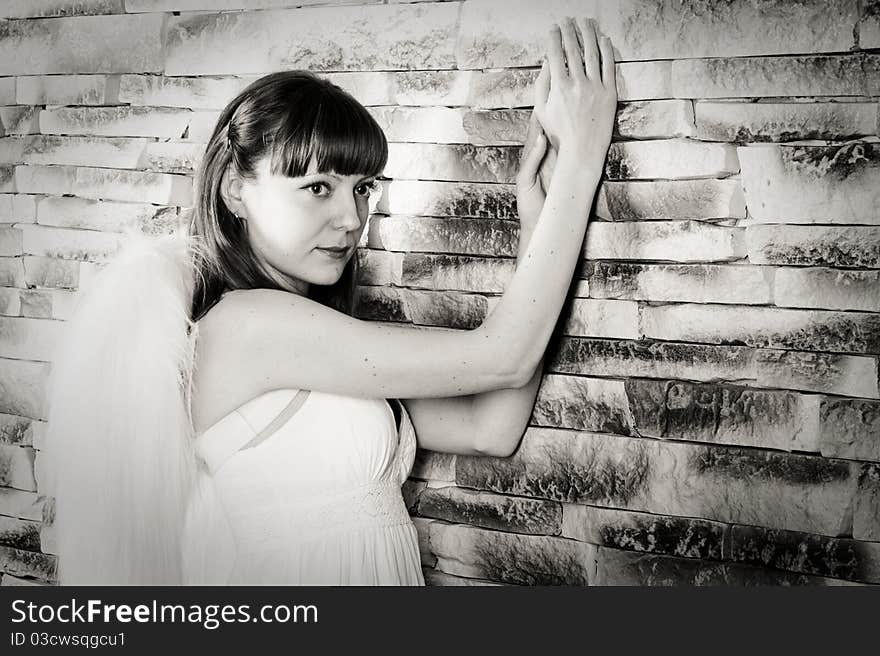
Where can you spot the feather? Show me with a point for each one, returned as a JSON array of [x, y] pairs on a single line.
[[120, 432]]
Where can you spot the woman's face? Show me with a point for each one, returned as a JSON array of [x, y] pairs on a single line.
[[305, 230]]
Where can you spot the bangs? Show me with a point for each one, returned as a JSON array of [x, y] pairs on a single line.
[[337, 131]]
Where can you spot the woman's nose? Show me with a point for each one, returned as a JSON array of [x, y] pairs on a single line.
[[347, 215]]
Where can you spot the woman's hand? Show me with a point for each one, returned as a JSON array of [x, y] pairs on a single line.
[[576, 92], [531, 189]]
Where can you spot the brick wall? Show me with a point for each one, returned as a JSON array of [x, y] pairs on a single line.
[[711, 412]]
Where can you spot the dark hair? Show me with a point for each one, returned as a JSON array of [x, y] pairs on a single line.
[[292, 116]]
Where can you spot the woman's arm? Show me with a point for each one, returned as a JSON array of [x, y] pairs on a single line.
[[272, 339]]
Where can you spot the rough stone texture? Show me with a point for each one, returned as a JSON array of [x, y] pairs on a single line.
[[490, 201], [21, 504], [434, 466], [10, 241], [510, 557], [812, 184], [67, 89], [757, 122], [602, 318], [500, 33], [805, 553], [190, 92], [11, 272], [677, 241], [830, 289], [724, 414], [673, 159], [454, 272], [749, 77], [635, 531], [592, 404], [106, 216], [847, 375], [694, 283], [82, 44], [850, 428], [377, 267], [812, 330], [88, 245], [448, 309], [171, 157], [19, 119], [29, 339], [658, 119], [22, 388], [50, 272], [216, 5], [46, 8], [17, 465], [866, 514], [79, 150], [19, 533], [105, 184], [7, 92], [627, 568], [735, 485], [435, 577], [163, 122], [856, 246], [10, 302], [492, 511], [682, 199], [459, 236], [361, 38], [462, 163], [20, 562], [16, 430]]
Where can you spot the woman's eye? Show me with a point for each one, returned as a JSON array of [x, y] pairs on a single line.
[[318, 188], [367, 188]]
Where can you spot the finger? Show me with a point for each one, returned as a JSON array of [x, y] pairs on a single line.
[[555, 55], [608, 74], [548, 164], [572, 50], [542, 85], [531, 133], [528, 169], [591, 49]]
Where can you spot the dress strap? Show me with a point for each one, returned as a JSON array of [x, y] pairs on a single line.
[[216, 446]]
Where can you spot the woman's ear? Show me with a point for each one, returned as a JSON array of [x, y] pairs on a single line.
[[230, 191]]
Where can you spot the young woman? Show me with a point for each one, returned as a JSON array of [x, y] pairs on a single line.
[[239, 431]]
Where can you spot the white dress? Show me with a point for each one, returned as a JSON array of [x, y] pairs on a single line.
[[316, 501]]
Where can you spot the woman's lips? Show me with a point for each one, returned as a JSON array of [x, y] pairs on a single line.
[[336, 253]]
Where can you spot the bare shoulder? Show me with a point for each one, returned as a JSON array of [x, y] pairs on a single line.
[[224, 377]]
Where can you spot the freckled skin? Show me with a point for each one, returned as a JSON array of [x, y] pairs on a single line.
[[288, 218]]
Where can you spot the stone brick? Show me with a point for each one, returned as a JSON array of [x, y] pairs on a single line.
[[379, 267], [856, 246], [460, 236], [70, 244], [22, 389], [10, 150], [866, 514], [492, 511], [82, 44], [360, 38], [752, 77], [10, 241], [216, 5], [423, 529], [806, 554], [677, 241], [11, 272], [21, 504], [15, 430], [756, 122], [189, 92], [812, 184], [449, 309], [29, 339], [375, 88], [815, 330], [20, 562], [673, 159], [603, 318], [627, 568], [19, 119], [594, 404], [50, 272], [67, 90], [48, 303], [669, 200], [121, 121], [511, 557], [411, 491], [831, 289], [171, 157], [201, 127], [490, 201], [694, 283], [22, 208], [722, 414], [455, 272], [457, 163], [17, 465], [47, 8], [435, 578], [869, 26], [763, 488], [10, 302], [657, 119], [834, 373], [106, 216], [503, 33], [19, 533], [434, 466], [643, 532], [850, 428], [7, 92], [7, 182], [114, 152], [105, 184]]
